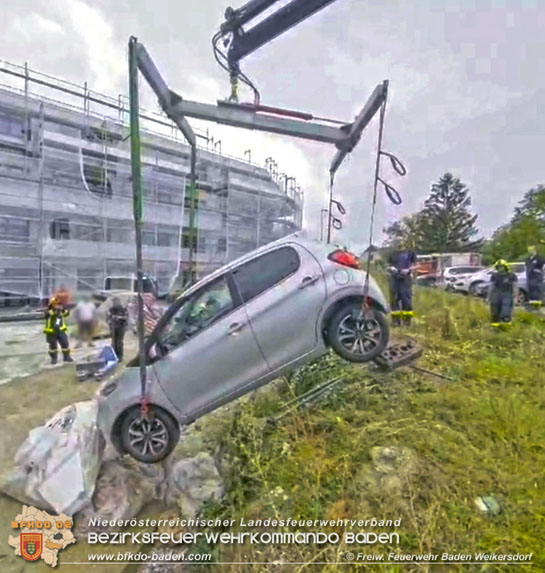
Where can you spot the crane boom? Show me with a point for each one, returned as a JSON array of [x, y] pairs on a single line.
[[236, 18], [246, 42]]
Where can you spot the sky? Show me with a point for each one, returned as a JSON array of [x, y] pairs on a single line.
[[467, 88]]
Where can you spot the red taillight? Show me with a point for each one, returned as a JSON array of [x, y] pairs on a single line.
[[344, 258]]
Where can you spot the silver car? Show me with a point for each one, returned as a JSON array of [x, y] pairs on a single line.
[[268, 312]]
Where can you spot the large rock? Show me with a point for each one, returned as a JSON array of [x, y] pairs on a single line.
[[191, 482], [122, 489], [57, 465]]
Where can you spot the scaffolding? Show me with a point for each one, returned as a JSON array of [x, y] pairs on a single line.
[[65, 193]]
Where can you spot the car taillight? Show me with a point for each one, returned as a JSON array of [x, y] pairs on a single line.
[[344, 258]]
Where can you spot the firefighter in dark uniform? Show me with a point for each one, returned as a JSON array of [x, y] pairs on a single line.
[[534, 264], [503, 284], [117, 320], [55, 331], [402, 264]]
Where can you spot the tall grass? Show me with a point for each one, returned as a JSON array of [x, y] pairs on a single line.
[[482, 434]]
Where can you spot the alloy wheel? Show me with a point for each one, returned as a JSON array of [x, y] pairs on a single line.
[[359, 336], [148, 436]]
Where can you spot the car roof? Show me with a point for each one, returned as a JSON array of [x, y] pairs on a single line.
[[300, 237]]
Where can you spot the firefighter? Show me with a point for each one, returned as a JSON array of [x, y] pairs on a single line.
[[402, 264], [534, 264], [503, 284], [55, 331], [117, 320]]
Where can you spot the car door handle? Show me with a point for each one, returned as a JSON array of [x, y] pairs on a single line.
[[234, 328], [307, 281]]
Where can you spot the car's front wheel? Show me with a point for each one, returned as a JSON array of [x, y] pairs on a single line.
[[358, 337], [473, 288], [149, 438]]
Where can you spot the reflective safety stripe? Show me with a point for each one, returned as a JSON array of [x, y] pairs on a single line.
[[405, 313]]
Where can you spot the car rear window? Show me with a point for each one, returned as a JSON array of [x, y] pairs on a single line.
[[257, 275]]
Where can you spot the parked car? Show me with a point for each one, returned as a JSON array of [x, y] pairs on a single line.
[[453, 277], [477, 284], [431, 268], [244, 325]]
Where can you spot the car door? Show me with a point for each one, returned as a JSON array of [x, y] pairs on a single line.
[[284, 291], [210, 349]]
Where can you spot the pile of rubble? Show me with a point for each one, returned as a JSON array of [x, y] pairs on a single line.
[[65, 467]]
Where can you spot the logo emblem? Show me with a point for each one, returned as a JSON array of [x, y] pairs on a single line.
[[31, 546]]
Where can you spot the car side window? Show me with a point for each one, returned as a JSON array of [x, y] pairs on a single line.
[[203, 309], [259, 274]]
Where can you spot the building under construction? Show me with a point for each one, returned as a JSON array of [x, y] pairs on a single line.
[[66, 214]]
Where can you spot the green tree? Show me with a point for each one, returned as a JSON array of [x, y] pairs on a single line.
[[527, 227], [406, 232], [447, 223], [532, 205]]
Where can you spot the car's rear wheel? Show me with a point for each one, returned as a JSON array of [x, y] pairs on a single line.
[[358, 338], [149, 439]]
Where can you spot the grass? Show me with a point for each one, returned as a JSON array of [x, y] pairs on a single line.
[[483, 434]]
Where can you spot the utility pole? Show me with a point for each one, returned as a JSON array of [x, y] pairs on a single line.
[[136, 171]]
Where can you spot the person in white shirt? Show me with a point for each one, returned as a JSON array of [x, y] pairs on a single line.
[[85, 314]]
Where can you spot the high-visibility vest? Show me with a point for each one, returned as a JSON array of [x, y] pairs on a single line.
[[54, 322]]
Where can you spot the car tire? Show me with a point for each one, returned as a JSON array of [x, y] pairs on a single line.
[[159, 434], [370, 335], [473, 288], [522, 298]]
